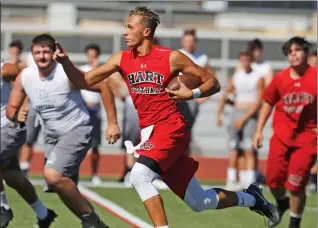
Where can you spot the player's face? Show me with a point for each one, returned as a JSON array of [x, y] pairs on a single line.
[[135, 31], [92, 56], [42, 55], [257, 54], [14, 53], [246, 62], [312, 61], [296, 55], [188, 43]]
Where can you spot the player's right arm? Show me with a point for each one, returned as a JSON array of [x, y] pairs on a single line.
[[229, 89], [270, 96], [84, 80], [15, 110], [9, 72]]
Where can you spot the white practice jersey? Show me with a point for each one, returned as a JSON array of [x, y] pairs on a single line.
[[262, 68], [89, 96], [198, 58], [245, 85], [6, 88], [61, 107]]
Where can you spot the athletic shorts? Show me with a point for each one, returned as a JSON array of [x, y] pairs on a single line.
[[131, 129], [12, 138], [33, 127], [66, 153], [241, 138], [97, 130], [289, 166], [167, 145]]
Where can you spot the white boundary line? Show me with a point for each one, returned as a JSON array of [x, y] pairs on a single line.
[[108, 205], [114, 208]]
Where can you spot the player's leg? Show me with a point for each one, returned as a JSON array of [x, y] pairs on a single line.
[[246, 145], [96, 140], [6, 214], [143, 173], [312, 184], [180, 178], [14, 138], [301, 161], [233, 144], [276, 173], [63, 159], [32, 128]]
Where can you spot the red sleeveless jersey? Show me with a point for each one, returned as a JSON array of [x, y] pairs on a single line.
[[295, 116], [147, 77]]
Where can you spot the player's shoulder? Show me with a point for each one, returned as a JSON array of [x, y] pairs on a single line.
[[312, 71], [281, 75], [29, 70], [162, 49]]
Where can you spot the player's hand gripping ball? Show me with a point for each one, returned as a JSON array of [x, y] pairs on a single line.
[[180, 88]]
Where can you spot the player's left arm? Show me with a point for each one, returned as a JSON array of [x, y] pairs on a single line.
[[181, 63], [260, 89], [16, 100], [108, 99]]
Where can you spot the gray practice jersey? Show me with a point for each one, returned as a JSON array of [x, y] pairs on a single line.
[[60, 106], [6, 88]]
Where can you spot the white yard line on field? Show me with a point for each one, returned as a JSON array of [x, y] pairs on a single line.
[[108, 205]]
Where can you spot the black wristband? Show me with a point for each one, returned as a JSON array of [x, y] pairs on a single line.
[[15, 117]]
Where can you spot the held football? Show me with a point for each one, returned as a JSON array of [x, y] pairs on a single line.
[[190, 81]]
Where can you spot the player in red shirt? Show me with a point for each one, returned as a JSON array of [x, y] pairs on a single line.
[[293, 146], [147, 69]]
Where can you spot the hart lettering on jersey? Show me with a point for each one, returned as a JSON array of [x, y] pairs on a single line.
[[295, 102], [145, 76], [44, 107]]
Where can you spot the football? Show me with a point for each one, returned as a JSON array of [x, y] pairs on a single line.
[[190, 81]]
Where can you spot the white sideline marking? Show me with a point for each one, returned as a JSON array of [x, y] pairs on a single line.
[[114, 208], [107, 204]]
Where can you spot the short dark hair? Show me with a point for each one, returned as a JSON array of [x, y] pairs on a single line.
[[44, 39], [252, 45], [16, 43], [190, 32], [313, 53], [301, 41], [247, 53], [94, 47], [150, 18]]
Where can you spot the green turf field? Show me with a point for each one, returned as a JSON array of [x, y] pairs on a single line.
[[178, 213]]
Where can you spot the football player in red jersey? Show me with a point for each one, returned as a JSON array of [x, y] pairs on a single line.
[[293, 146], [147, 69]]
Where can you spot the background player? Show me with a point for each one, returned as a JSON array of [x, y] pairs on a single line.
[[66, 122], [248, 85], [293, 146], [12, 138], [92, 101], [163, 151], [265, 69], [14, 53], [190, 109], [312, 187]]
